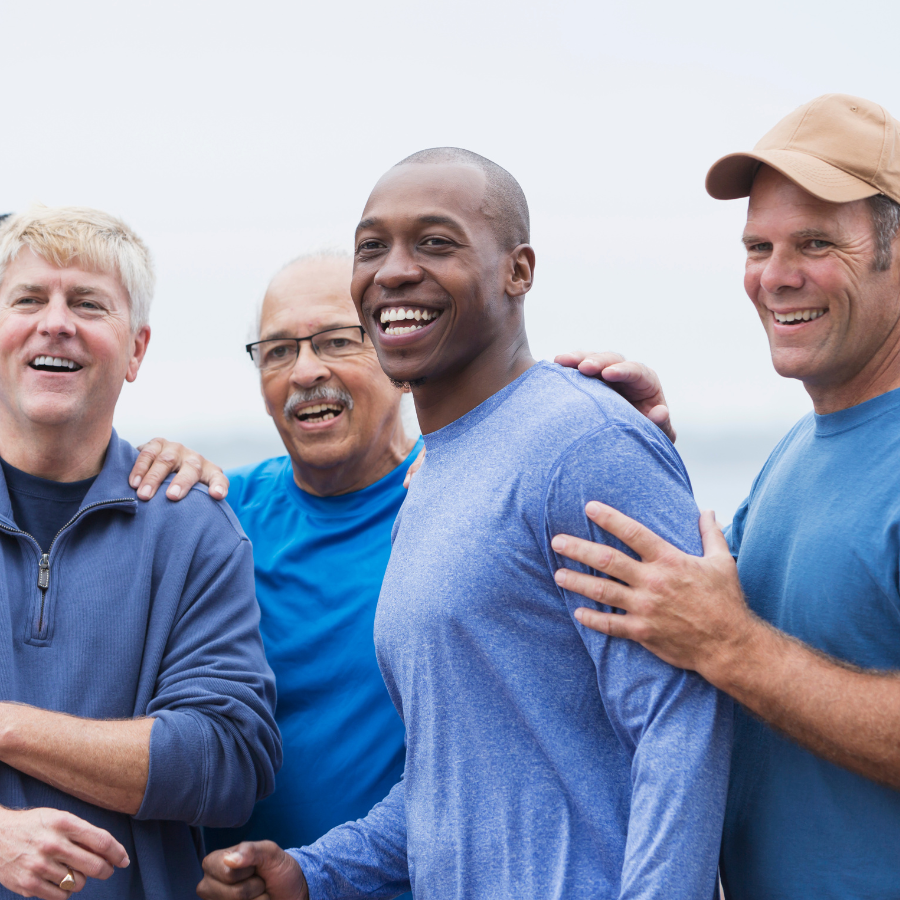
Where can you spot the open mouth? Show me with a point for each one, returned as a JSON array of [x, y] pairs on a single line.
[[404, 319], [798, 317], [54, 364], [320, 412]]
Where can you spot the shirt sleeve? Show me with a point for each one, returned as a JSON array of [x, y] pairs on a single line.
[[362, 859], [214, 747], [676, 727]]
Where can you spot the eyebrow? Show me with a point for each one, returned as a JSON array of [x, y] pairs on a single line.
[[422, 220], [282, 334], [815, 234], [81, 290]]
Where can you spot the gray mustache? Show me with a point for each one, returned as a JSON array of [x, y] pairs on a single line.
[[322, 394]]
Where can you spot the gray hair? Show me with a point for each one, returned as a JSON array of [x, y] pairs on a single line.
[[323, 254], [886, 219]]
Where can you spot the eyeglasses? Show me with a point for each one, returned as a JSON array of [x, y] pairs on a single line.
[[331, 346]]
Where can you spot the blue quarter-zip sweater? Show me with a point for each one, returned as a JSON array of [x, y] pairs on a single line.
[[144, 609]]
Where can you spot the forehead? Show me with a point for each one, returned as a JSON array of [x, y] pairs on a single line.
[[418, 191], [775, 201], [309, 294], [28, 268]]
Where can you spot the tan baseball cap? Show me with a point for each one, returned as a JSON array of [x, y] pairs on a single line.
[[837, 147]]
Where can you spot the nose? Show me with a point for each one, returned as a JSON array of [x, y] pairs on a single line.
[[57, 319], [309, 369], [780, 271], [398, 268]]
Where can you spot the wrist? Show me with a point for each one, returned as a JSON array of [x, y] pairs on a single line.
[[736, 653]]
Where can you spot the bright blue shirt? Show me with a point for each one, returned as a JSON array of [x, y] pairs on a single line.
[[319, 564], [818, 550], [544, 760]]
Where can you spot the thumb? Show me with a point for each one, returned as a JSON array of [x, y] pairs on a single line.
[[258, 854], [714, 543]]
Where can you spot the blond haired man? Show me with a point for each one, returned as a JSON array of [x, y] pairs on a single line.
[[135, 700]]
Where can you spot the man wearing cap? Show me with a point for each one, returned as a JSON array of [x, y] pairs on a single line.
[[795, 612]]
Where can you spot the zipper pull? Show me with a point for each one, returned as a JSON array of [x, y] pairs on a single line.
[[44, 572]]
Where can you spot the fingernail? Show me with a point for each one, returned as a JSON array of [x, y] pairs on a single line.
[[558, 543], [579, 614], [174, 491], [560, 577], [233, 859], [593, 508], [127, 862], [135, 482], [145, 491]]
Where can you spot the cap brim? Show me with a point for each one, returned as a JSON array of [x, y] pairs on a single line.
[[732, 176]]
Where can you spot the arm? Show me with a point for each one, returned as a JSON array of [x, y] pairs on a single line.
[[102, 762], [159, 458], [214, 747], [362, 860], [675, 727], [637, 383], [691, 612]]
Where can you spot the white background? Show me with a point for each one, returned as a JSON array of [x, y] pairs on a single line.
[[234, 136]]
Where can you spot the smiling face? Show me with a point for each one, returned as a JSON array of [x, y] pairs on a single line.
[[431, 282], [66, 347], [331, 414], [832, 320]]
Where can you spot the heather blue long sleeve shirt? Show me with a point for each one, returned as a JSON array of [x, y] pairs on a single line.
[[543, 759], [149, 610]]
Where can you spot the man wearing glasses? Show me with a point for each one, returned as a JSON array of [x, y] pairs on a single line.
[[320, 522]]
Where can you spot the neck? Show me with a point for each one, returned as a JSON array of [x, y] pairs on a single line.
[[378, 458], [878, 376], [443, 400], [55, 452]]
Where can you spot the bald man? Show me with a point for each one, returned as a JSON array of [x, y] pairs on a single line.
[[320, 522], [543, 760]]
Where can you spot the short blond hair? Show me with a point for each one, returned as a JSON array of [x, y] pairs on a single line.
[[102, 242]]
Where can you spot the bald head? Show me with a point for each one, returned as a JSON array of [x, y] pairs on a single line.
[[505, 205]]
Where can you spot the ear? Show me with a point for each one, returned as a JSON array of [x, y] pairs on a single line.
[[140, 340], [520, 274]]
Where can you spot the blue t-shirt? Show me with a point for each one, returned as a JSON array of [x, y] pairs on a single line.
[[41, 507], [319, 563], [544, 760], [818, 550]]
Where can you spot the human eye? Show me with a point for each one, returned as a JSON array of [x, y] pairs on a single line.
[[818, 244], [437, 242], [276, 352], [26, 301], [368, 245], [760, 247]]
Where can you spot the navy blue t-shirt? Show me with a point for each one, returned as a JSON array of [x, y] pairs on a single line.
[[42, 507]]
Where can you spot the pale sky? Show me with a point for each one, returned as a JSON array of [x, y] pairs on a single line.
[[233, 137]]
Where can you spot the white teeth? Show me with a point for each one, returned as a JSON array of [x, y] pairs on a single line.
[[54, 361], [399, 313], [800, 315]]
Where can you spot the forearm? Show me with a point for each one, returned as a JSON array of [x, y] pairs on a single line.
[[846, 715], [103, 762]]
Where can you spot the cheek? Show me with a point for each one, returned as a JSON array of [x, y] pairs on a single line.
[[275, 394]]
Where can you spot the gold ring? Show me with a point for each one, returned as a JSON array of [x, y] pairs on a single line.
[[68, 883]]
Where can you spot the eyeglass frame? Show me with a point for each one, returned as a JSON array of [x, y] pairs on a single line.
[[299, 341]]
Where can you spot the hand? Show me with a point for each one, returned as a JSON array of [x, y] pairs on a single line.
[[36, 846], [250, 870], [688, 610], [159, 457], [416, 465], [637, 383]]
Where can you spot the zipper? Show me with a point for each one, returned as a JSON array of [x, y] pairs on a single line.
[[44, 562]]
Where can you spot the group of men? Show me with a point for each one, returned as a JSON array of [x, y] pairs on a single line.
[[548, 705]]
